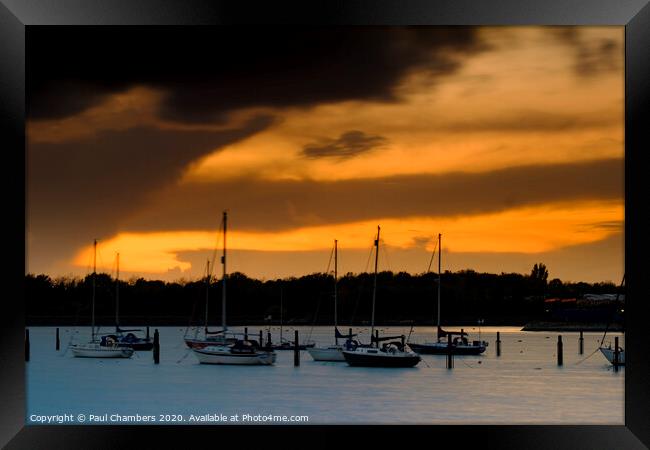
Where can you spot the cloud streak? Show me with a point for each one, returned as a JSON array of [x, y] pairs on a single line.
[[348, 145], [284, 204]]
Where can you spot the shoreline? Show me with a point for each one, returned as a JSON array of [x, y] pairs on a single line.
[[563, 326]]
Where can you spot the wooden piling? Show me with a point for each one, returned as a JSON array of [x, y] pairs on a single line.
[[616, 354], [377, 338], [156, 347], [450, 354], [58, 341], [268, 339], [581, 344], [296, 350], [560, 359], [498, 344], [245, 333], [26, 345], [147, 332], [261, 339]]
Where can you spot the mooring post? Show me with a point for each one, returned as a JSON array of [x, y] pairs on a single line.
[[26, 345], [268, 339], [58, 341], [377, 338], [147, 332], [245, 333], [559, 350], [296, 350], [616, 354], [581, 344], [450, 355], [261, 339], [498, 344], [156, 347]]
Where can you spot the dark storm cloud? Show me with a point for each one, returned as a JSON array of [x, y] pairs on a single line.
[[207, 72], [591, 56], [275, 205], [348, 145], [80, 190]]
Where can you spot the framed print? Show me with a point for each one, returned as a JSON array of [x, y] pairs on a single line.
[[247, 219]]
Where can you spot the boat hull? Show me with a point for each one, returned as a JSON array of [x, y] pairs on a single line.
[[326, 354], [442, 349], [359, 359], [609, 354], [97, 351], [225, 357]]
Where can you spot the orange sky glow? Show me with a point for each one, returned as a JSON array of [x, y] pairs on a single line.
[[519, 104]]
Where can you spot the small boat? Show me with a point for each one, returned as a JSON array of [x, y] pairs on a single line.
[[97, 350], [225, 347], [242, 352], [333, 352], [616, 358], [209, 337], [94, 348], [121, 337], [390, 354], [446, 342], [610, 354]]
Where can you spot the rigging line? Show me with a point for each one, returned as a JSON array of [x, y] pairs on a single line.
[[383, 247], [618, 291], [320, 295], [329, 262], [356, 305], [586, 358], [433, 254]]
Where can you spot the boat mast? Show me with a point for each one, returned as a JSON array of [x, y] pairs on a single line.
[[92, 331], [374, 290], [280, 312], [439, 257], [223, 262], [117, 295], [207, 293], [336, 254]]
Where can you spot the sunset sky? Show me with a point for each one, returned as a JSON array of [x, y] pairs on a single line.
[[507, 140]]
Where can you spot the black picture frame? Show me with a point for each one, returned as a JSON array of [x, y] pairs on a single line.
[[16, 15]]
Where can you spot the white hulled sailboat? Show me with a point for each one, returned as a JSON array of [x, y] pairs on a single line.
[[331, 352], [94, 349], [225, 347]]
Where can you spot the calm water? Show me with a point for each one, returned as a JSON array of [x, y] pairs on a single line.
[[522, 386]]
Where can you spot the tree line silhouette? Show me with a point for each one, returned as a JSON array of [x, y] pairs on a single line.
[[466, 297]]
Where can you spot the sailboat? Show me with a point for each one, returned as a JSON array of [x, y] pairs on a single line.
[[331, 352], [129, 339], [287, 344], [395, 353], [226, 347], [209, 337], [94, 348], [460, 345], [616, 358]]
